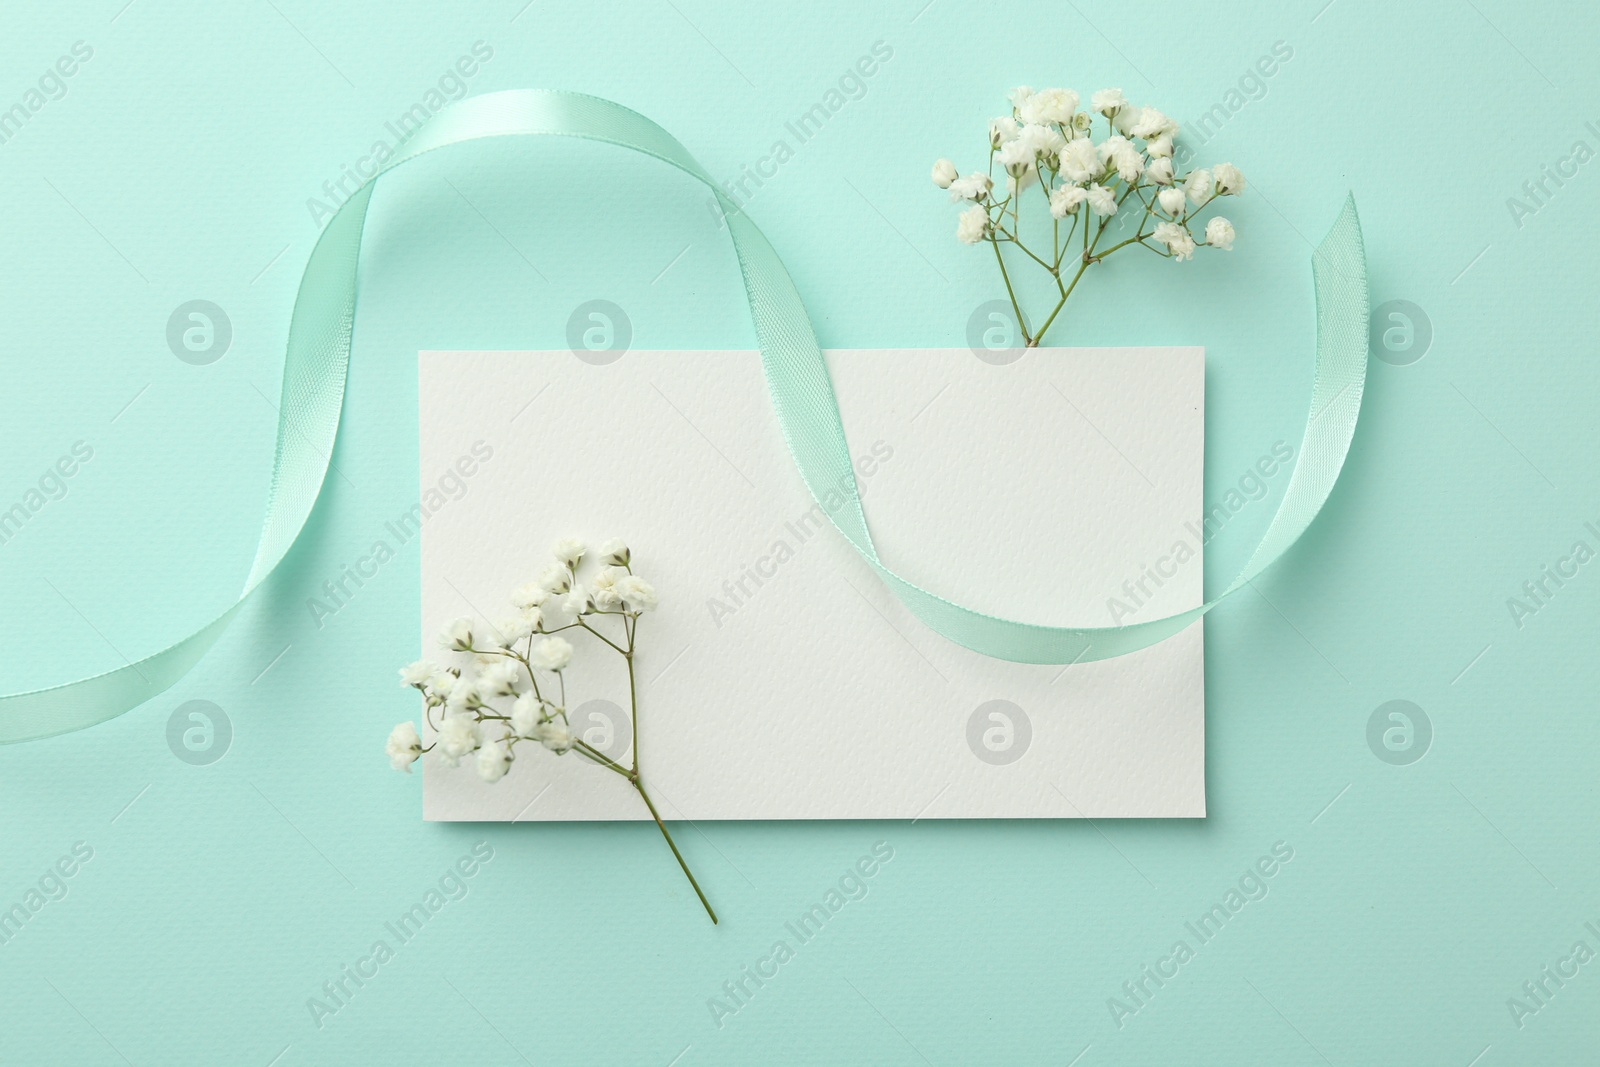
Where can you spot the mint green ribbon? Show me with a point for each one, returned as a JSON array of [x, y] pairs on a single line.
[[319, 353]]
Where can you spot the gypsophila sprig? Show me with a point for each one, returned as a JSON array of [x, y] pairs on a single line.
[[504, 698], [1127, 179]]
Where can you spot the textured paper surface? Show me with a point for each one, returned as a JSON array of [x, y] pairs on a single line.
[[780, 679]]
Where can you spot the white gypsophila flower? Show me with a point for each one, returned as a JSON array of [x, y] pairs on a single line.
[[1160, 171], [568, 550], [614, 553], [1129, 163], [551, 654], [1042, 140], [1049, 105], [1108, 101], [636, 593], [529, 595], [1080, 161], [1229, 181], [973, 187], [576, 601], [973, 225], [944, 172], [463, 696], [517, 627], [1102, 201], [1119, 152], [499, 678], [1153, 123], [1198, 186], [555, 579], [525, 714], [555, 736], [441, 684], [1065, 200], [1176, 238], [1082, 121], [1171, 201], [456, 635], [1019, 96], [603, 588], [417, 673], [1219, 234], [1017, 156], [1003, 129], [494, 759], [1126, 118], [403, 747], [1160, 148], [458, 736]]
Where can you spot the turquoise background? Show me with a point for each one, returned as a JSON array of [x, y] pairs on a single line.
[[219, 898]]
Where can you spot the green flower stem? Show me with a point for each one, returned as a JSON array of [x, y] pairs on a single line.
[[639, 786], [1015, 307]]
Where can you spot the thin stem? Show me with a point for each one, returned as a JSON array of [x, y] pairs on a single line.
[[1062, 302], [638, 785], [583, 748], [602, 636], [1015, 307]]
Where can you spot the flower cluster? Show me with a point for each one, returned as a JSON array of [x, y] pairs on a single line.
[[1085, 185], [512, 689], [506, 684]]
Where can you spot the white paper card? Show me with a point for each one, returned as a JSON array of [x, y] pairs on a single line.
[[779, 678]]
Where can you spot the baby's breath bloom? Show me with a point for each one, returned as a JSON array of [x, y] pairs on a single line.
[[1108, 101], [1017, 156], [636, 593], [1003, 129], [1065, 200], [456, 635], [1172, 201], [603, 588], [1080, 161], [1160, 148], [555, 579], [1102, 201], [551, 654], [1048, 105], [1160, 171], [1198, 186], [1229, 181], [403, 747], [525, 714], [440, 685], [1153, 123], [614, 553], [516, 627], [494, 759], [568, 550], [1176, 238], [1219, 234], [974, 186], [972, 225], [500, 678], [416, 673], [529, 595], [458, 735], [944, 172], [464, 696], [1019, 96], [554, 735]]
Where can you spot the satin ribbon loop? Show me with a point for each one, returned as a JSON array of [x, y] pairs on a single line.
[[318, 356]]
